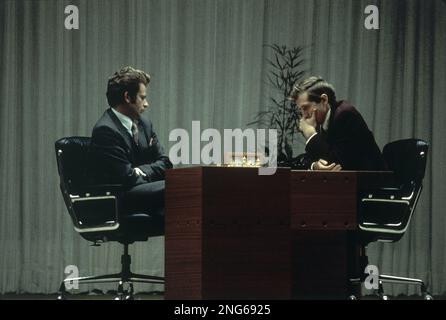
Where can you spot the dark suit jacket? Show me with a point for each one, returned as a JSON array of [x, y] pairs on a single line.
[[115, 153], [348, 141]]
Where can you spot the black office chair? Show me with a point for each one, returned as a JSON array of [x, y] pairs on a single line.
[[96, 216], [384, 214]]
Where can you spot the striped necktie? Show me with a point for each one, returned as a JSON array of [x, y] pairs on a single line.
[[135, 132]]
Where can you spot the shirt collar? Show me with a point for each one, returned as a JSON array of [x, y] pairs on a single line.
[[126, 121], [327, 120]]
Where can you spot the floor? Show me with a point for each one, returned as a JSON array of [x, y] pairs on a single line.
[[82, 296], [147, 296]]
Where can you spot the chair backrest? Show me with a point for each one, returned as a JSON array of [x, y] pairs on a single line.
[[93, 207], [73, 162], [407, 159], [385, 213], [88, 213]]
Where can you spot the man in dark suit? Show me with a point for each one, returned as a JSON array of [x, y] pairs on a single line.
[[337, 136], [125, 146]]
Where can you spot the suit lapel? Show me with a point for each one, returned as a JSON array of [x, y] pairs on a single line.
[[329, 134], [127, 137], [144, 130], [332, 116]]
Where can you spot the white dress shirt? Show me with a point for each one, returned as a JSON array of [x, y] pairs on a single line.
[[126, 121]]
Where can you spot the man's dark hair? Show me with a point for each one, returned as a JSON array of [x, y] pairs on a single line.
[[126, 79], [315, 87]]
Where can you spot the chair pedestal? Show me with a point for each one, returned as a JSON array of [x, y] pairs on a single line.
[[123, 277], [387, 279]]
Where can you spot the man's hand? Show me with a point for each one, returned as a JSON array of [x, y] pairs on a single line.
[[139, 172], [324, 166], [308, 125]]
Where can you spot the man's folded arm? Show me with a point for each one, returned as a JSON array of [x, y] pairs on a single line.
[[111, 158], [156, 170]]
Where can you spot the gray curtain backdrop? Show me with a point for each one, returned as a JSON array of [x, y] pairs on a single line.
[[208, 63]]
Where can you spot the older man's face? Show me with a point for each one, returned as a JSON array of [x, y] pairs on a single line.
[[140, 104]]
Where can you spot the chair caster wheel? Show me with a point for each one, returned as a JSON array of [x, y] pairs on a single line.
[[124, 297], [352, 297], [427, 296], [61, 296]]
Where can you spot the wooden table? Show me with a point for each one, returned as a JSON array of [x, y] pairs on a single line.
[[232, 234], [227, 234]]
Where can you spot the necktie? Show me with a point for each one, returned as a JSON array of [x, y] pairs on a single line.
[[135, 132]]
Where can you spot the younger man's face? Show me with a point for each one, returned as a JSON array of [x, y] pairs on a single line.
[[305, 106], [308, 108]]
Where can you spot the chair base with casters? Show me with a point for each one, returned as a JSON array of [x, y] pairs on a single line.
[[126, 276], [132, 228], [382, 279]]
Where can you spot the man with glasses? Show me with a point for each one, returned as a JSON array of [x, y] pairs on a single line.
[[337, 137]]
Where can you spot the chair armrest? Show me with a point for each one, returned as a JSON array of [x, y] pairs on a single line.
[[95, 212], [382, 193], [102, 189], [386, 210], [384, 215]]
